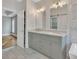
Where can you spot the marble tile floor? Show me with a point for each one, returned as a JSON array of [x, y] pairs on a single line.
[[20, 53]]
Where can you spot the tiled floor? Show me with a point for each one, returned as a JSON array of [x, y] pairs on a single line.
[[19, 53]]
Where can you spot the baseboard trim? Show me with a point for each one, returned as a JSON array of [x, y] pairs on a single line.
[[6, 49], [5, 34]]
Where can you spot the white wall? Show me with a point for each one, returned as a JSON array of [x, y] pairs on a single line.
[[62, 17], [67, 22], [39, 21], [43, 19], [14, 24], [30, 18], [30, 14], [73, 20], [6, 25]]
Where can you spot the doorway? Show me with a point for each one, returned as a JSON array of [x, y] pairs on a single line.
[[9, 33]]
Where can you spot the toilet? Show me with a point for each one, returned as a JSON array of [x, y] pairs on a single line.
[[73, 51]]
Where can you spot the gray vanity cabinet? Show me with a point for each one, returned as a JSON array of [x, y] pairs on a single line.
[[49, 45]]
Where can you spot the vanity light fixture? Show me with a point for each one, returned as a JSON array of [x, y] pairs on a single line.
[[41, 10], [58, 4], [62, 3], [54, 6]]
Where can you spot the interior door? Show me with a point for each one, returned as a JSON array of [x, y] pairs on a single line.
[[20, 28]]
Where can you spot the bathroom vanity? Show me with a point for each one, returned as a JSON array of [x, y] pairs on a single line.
[[49, 43]]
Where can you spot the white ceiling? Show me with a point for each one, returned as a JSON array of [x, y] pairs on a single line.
[[8, 12], [13, 4], [21, 4]]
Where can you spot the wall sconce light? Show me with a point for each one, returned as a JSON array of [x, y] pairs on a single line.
[[58, 4], [41, 10]]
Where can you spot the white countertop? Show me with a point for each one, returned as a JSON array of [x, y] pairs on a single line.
[[47, 32]]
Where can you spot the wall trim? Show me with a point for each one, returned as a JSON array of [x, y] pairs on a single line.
[[5, 34]]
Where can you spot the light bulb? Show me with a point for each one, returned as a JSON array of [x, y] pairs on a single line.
[[63, 2], [54, 6], [60, 4], [41, 10]]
